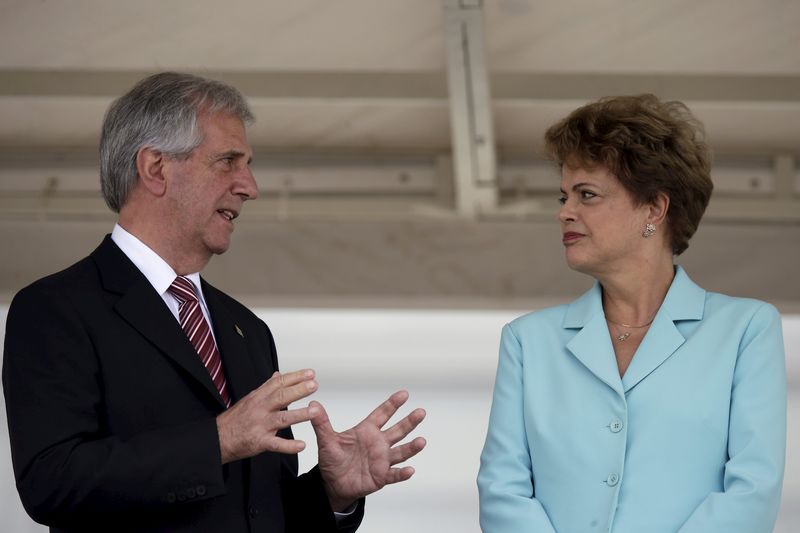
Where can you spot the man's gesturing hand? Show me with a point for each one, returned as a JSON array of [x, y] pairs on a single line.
[[361, 460], [249, 427]]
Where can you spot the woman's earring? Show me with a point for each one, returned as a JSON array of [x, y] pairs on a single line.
[[649, 230]]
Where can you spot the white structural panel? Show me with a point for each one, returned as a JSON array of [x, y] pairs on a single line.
[[470, 108]]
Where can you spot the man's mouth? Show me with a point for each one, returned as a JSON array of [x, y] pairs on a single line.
[[227, 214]]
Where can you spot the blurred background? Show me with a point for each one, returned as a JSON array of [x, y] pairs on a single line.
[[406, 212]]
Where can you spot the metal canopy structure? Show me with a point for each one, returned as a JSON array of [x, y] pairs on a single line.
[[377, 119]]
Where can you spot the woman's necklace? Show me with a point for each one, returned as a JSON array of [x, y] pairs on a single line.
[[625, 334]]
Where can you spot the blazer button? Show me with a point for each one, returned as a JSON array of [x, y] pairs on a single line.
[[181, 496], [612, 480], [201, 490], [253, 511], [191, 493], [615, 425], [170, 497]]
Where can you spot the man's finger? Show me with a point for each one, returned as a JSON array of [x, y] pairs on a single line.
[[396, 475], [288, 395], [284, 396], [290, 417], [399, 431], [320, 421], [278, 380], [406, 451], [278, 445], [387, 409]]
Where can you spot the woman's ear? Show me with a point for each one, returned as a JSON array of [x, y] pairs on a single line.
[[150, 166], [658, 209]]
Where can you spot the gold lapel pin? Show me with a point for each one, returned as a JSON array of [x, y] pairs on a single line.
[[239, 330]]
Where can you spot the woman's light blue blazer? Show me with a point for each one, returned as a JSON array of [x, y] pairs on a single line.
[[691, 439]]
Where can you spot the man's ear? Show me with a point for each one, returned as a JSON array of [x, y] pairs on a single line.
[[150, 166], [658, 209]]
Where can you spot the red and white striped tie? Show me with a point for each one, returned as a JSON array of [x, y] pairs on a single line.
[[196, 327]]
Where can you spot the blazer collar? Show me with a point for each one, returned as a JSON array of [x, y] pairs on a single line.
[[592, 345], [142, 307]]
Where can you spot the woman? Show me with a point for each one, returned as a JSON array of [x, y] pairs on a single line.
[[648, 404]]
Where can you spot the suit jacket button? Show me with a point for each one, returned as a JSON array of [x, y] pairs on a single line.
[[170, 497], [253, 511], [615, 426], [181, 496], [612, 480], [191, 493], [201, 490]]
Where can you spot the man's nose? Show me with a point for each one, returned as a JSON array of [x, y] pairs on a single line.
[[245, 185]]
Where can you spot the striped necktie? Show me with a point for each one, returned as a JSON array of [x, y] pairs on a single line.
[[196, 327]]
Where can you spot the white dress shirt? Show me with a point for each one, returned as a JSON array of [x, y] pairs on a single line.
[[157, 271]]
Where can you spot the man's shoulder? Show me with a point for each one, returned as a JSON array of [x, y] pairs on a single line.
[[81, 276], [64, 293], [75, 277]]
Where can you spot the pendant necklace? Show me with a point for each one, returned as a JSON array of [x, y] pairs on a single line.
[[625, 334]]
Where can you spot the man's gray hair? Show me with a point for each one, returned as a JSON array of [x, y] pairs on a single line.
[[159, 112]]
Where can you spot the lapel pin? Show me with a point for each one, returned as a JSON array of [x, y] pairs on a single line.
[[239, 330]]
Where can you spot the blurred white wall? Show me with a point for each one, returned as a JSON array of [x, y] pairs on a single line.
[[446, 360]]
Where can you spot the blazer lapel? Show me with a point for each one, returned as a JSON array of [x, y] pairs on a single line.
[[232, 343], [684, 301], [145, 311], [660, 342], [592, 344]]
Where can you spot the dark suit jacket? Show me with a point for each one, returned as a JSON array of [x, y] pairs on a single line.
[[112, 414]]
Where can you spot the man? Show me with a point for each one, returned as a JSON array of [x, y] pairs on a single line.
[[141, 398]]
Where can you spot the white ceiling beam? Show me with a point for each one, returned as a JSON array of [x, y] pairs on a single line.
[[471, 125]]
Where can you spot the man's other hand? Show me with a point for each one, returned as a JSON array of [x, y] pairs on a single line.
[[361, 460]]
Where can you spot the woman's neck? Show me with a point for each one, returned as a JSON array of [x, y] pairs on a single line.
[[634, 296]]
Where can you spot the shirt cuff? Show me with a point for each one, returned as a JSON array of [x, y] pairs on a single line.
[[347, 512]]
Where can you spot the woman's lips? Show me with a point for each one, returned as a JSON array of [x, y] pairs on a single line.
[[570, 237]]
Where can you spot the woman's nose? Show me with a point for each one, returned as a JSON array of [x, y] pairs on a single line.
[[566, 213]]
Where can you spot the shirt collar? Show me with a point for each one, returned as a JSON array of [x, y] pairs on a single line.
[[155, 269]]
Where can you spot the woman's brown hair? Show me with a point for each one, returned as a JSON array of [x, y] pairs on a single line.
[[650, 146]]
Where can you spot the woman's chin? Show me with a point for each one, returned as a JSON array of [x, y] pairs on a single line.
[[579, 264]]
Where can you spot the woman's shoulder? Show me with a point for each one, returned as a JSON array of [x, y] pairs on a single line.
[[724, 303], [687, 298], [547, 317]]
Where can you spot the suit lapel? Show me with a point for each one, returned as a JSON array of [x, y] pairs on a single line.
[[232, 343], [660, 342], [145, 311], [684, 301], [592, 344]]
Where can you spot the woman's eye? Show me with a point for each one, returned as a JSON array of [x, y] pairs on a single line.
[[586, 195], [562, 200]]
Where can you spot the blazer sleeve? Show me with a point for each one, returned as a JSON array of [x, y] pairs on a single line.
[[67, 466], [508, 501], [753, 475]]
